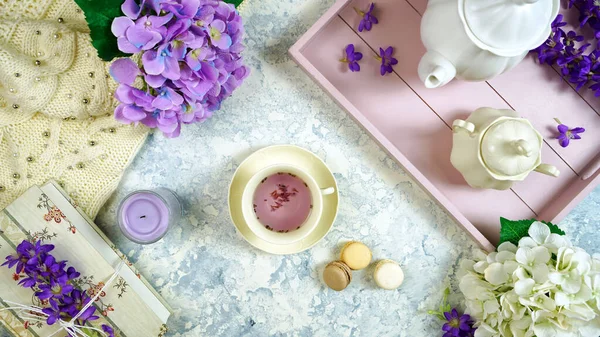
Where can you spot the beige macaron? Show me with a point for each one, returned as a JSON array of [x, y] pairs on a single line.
[[337, 275], [388, 274], [356, 255]]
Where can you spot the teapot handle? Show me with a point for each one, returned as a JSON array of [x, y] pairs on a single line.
[[460, 124], [548, 170]]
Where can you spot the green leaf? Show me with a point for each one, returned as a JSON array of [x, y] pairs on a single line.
[[99, 16], [234, 2], [512, 231]]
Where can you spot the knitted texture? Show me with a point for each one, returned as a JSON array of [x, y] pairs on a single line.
[[56, 106]]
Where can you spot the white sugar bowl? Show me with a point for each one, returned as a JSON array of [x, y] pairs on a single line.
[[494, 148]]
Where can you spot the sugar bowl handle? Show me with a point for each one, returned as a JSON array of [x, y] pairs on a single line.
[[548, 170], [460, 124]]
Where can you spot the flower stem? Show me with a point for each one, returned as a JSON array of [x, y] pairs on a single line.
[[557, 120], [378, 58], [359, 12], [344, 60]]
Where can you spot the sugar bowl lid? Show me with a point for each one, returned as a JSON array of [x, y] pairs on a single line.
[[511, 147], [508, 27]]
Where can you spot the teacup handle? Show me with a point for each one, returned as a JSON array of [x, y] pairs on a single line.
[[327, 191]]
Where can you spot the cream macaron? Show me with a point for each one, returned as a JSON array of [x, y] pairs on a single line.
[[356, 255], [388, 274]]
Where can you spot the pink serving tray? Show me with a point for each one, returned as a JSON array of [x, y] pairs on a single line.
[[413, 123]]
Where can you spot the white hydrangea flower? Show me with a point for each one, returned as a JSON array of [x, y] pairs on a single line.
[[535, 261], [540, 235], [543, 287]]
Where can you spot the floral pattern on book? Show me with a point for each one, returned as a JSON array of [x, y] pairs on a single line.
[[54, 213]]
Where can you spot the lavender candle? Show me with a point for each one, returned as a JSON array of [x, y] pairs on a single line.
[[145, 216]]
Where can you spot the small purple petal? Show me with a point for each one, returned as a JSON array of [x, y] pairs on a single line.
[[361, 25], [120, 25], [131, 9], [134, 113], [563, 140], [562, 128], [219, 25], [155, 81], [125, 46], [172, 70], [124, 71], [349, 50], [153, 63]]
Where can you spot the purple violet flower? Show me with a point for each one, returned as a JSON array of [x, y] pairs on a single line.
[[387, 60], [368, 19], [52, 281], [109, 331], [457, 325], [54, 312], [56, 289], [352, 57], [75, 303], [566, 134]]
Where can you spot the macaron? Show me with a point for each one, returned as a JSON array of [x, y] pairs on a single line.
[[388, 274], [337, 275], [356, 255]]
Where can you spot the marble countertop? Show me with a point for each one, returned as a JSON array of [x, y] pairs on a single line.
[[220, 286]]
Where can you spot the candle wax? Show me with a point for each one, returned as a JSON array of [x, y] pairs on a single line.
[[144, 217]]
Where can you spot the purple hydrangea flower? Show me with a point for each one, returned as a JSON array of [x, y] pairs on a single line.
[[218, 35], [188, 72], [143, 34], [368, 19], [352, 57], [566, 134], [387, 60], [457, 325]]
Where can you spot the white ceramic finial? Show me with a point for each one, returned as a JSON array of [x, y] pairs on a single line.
[[522, 147]]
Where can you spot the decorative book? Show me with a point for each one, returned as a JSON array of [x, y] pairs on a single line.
[[129, 305]]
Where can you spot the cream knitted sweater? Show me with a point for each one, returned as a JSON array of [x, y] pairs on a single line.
[[56, 106]]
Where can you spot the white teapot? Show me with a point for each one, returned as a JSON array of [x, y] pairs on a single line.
[[494, 148], [476, 40]]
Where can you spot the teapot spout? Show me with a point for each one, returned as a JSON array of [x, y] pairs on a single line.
[[435, 70]]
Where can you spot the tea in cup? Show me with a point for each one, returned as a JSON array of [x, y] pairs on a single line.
[[283, 204]]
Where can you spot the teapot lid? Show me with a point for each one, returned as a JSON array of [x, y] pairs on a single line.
[[508, 27], [511, 147]]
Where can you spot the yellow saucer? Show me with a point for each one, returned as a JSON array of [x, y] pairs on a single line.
[[283, 154]]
